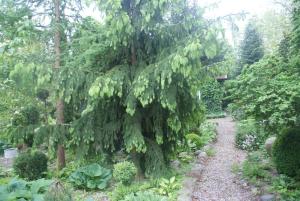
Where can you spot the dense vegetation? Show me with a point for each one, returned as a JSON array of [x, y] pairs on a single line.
[[112, 100], [266, 97], [118, 101]]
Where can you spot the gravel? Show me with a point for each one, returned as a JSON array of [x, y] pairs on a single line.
[[217, 182]]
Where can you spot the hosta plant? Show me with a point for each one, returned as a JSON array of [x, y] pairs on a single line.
[[91, 177], [20, 190]]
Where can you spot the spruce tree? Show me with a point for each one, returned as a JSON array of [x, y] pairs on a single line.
[[135, 78], [252, 49]]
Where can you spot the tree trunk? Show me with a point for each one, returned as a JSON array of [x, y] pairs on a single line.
[[60, 104]]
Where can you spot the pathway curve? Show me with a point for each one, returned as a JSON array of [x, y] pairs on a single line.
[[217, 182]]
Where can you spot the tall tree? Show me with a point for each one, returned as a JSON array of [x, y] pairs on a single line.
[[60, 104], [138, 75], [252, 49]]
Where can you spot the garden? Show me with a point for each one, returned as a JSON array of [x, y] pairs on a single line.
[[128, 105]]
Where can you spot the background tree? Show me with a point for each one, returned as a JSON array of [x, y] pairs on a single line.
[[273, 26], [252, 49]]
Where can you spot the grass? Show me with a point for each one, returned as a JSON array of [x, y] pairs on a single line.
[[235, 168]]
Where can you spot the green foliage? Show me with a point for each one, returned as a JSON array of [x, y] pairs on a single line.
[[259, 170], [286, 152], [133, 84], [199, 141], [120, 191], [256, 167], [287, 187], [185, 156], [145, 196], [57, 192], [205, 134], [272, 101], [252, 49], [124, 172], [91, 177], [249, 135], [68, 170], [31, 165], [23, 124], [22, 190], [212, 94], [168, 187]]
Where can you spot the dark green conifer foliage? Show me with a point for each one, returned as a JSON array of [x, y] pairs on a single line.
[[252, 49], [135, 78]]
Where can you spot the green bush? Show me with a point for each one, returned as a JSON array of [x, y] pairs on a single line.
[[31, 165], [144, 196], [91, 177], [212, 94], [249, 135], [286, 152], [124, 172]]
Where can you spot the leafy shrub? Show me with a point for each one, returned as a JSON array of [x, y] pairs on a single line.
[[57, 192], [287, 187], [236, 112], [212, 95], [264, 99], [91, 177], [68, 170], [144, 196], [121, 190], [249, 135], [31, 165], [208, 131], [257, 166], [168, 187], [124, 172], [22, 190], [286, 152], [195, 140], [29, 115]]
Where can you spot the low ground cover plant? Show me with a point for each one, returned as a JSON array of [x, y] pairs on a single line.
[[92, 176], [249, 135]]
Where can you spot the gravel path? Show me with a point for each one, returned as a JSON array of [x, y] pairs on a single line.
[[217, 182]]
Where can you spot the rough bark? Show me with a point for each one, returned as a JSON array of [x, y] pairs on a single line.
[[60, 104]]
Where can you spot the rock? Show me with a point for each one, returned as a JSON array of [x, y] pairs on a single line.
[[198, 152], [202, 157], [175, 164], [267, 197], [269, 144], [196, 170]]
